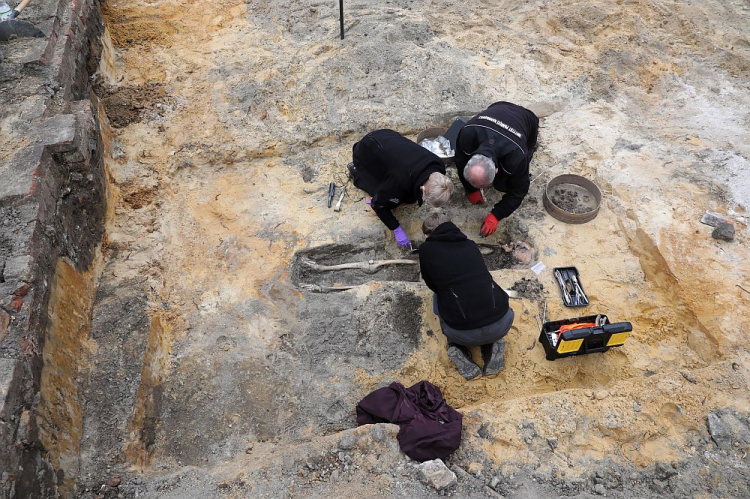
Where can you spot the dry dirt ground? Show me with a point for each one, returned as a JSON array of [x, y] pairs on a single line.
[[213, 371]]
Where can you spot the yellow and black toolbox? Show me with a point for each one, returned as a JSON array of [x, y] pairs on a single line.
[[582, 335]]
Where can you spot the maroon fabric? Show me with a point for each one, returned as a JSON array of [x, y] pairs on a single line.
[[429, 427]]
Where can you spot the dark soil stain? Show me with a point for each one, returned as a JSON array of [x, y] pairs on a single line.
[[128, 105], [531, 289]]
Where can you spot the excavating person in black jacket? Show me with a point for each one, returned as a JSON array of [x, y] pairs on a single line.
[[473, 309], [495, 148], [394, 171]]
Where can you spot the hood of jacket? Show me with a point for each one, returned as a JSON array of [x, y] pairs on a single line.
[[447, 232]]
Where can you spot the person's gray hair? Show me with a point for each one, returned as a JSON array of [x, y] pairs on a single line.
[[433, 220], [480, 171], [437, 190]]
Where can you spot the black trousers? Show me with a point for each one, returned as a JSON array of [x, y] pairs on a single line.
[[477, 337]]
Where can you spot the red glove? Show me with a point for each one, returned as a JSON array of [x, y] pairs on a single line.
[[489, 225], [475, 197]]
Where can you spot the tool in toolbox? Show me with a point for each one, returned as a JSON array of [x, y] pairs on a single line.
[[582, 335], [571, 289]]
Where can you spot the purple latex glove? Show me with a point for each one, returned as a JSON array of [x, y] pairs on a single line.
[[401, 238]]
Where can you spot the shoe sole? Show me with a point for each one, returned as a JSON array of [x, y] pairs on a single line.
[[466, 367], [497, 361]]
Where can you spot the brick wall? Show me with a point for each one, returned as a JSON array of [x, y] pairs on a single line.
[[52, 204]]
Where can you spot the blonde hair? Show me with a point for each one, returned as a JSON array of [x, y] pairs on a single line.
[[437, 190], [433, 220]]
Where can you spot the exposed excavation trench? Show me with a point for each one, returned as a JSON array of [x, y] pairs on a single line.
[[191, 353]]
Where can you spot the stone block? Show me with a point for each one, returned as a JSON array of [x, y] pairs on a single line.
[[58, 132], [712, 219], [25, 50], [437, 474], [20, 178], [17, 268], [9, 376], [32, 108]]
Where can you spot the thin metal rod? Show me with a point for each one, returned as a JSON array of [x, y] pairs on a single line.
[[341, 17]]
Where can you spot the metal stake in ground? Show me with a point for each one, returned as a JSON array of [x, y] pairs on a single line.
[[341, 17]]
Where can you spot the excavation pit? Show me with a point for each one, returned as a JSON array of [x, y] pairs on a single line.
[[337, 267], [205, 362]]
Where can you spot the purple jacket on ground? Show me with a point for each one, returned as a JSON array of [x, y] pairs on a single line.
[[429, 427]]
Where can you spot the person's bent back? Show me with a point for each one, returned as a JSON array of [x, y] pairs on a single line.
[[473, 309], [453, 268]]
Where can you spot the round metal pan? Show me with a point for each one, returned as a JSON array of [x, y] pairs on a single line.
[[566, 216]]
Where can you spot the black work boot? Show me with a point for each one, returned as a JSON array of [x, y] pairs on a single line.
[[494, 357], [462, 358], [350, 167]]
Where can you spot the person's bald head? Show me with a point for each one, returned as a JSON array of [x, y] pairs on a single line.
[[480, 171]]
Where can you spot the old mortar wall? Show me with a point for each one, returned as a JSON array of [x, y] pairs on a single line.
[[52, 206]]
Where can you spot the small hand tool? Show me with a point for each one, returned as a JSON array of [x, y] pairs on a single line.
[[564, 289], [331, 193], [579, 290], [338, 203]]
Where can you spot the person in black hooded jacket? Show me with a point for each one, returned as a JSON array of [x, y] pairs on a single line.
[[394, 171], [495, 148], [473, 309]]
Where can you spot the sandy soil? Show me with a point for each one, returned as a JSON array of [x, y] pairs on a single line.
[[230, 119]]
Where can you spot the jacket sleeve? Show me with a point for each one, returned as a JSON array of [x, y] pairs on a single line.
[[386, 199], [465, 146], [533, 133], [517, 188], [387, 217]]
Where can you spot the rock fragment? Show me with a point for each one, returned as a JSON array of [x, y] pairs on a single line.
[[475, 468], [664, 471], [712, 219], [437, 474], [347, 442], [495, 482], [689, 377], [724, 231], [726, 428], [660, 485]]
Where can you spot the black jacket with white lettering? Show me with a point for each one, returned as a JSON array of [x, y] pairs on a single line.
[[507, 133], [453, 268], [396, 168]]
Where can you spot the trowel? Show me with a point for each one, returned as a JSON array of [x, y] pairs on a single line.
[[13, 28]]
